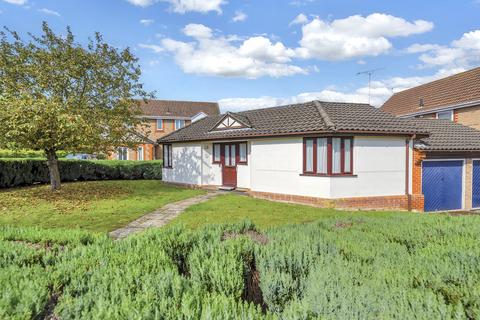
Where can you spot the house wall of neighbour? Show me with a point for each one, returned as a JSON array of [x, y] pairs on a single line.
[[427, 116], [148, 153], [150, 129], [469, 116]]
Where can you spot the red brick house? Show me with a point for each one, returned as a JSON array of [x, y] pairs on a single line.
[[455, 98], [163, 117]]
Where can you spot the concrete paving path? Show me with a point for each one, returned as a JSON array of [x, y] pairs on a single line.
[[160, 217]]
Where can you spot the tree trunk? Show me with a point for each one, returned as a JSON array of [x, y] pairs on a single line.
[[52, 162]]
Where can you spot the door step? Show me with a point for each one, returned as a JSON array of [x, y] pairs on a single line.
[[225, 188]]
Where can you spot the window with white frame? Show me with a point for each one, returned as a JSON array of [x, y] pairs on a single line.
[[159, 124], [140, 153], [179, 124], [447, 115], [122, 153]]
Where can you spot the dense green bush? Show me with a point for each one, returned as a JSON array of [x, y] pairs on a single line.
[[396, 267], [18, 172], [19, 154]]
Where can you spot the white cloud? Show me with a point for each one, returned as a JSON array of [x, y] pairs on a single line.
[[49, 12], [461, 53], [183, 6], [252, 58], [147, 22], [155, 48], [17, 2], [142, 3], [239, 16], [300, 19], [355, 36], [381, 90]]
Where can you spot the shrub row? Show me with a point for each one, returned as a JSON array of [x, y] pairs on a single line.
[[412, 267], [6, 153], [18, 172]]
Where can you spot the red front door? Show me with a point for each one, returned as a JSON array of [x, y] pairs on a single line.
[[229, 164]]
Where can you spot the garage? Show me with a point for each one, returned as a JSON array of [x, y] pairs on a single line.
[[442, 184]]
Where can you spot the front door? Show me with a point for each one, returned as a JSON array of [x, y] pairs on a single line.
[[229, 165]]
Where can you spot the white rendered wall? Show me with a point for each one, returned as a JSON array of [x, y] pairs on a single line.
[[186, 163], [379, 166], [276, 165], [243, 171]]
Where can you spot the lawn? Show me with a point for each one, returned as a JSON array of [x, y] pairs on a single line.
[[98, 206], [264, 214]]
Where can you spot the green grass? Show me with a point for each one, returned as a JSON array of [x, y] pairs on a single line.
[[98, 206], [264, 214]]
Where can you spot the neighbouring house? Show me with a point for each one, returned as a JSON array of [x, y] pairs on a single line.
[[163, 117], [455, 98], [341, 155]]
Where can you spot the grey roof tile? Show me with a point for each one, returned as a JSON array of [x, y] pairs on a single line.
[[446, 135], [298, 119]]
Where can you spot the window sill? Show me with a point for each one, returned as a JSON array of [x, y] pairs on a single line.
[[167, 167], [341, 175]]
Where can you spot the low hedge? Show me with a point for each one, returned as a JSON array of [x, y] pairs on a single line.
[[6, 153], [18, 172]]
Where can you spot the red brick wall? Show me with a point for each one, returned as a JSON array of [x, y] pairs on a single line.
[[417, 199], [400, 202]]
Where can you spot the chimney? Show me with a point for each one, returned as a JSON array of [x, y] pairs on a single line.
[[420, 103]]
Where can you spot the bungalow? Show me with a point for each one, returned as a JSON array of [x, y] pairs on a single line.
[[342, 155]]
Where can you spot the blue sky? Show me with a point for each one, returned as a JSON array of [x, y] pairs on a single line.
[[249, 54]]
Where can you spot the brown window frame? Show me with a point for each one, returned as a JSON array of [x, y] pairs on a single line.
[[330, 172], [213, 153], [167, 148]]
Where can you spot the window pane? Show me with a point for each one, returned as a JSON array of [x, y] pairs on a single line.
[[216, 152], [169, 155], [233, 157], [445, 115], [348, 149], [179, 124], [227, 155], [140, 154], [309, 155], [159, 124], [243, 152], [336, 161], [322, 155]]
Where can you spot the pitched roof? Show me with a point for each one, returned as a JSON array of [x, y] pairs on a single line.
[[446, 135], [457, 89], [298, 119], [173, 108]]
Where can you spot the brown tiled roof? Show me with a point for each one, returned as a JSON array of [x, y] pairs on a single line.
[[457, 89], [298, 119], [173, 108], [445, 135]]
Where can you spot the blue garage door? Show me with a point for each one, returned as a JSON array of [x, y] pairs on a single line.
[[476, 184], [442, 185]]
